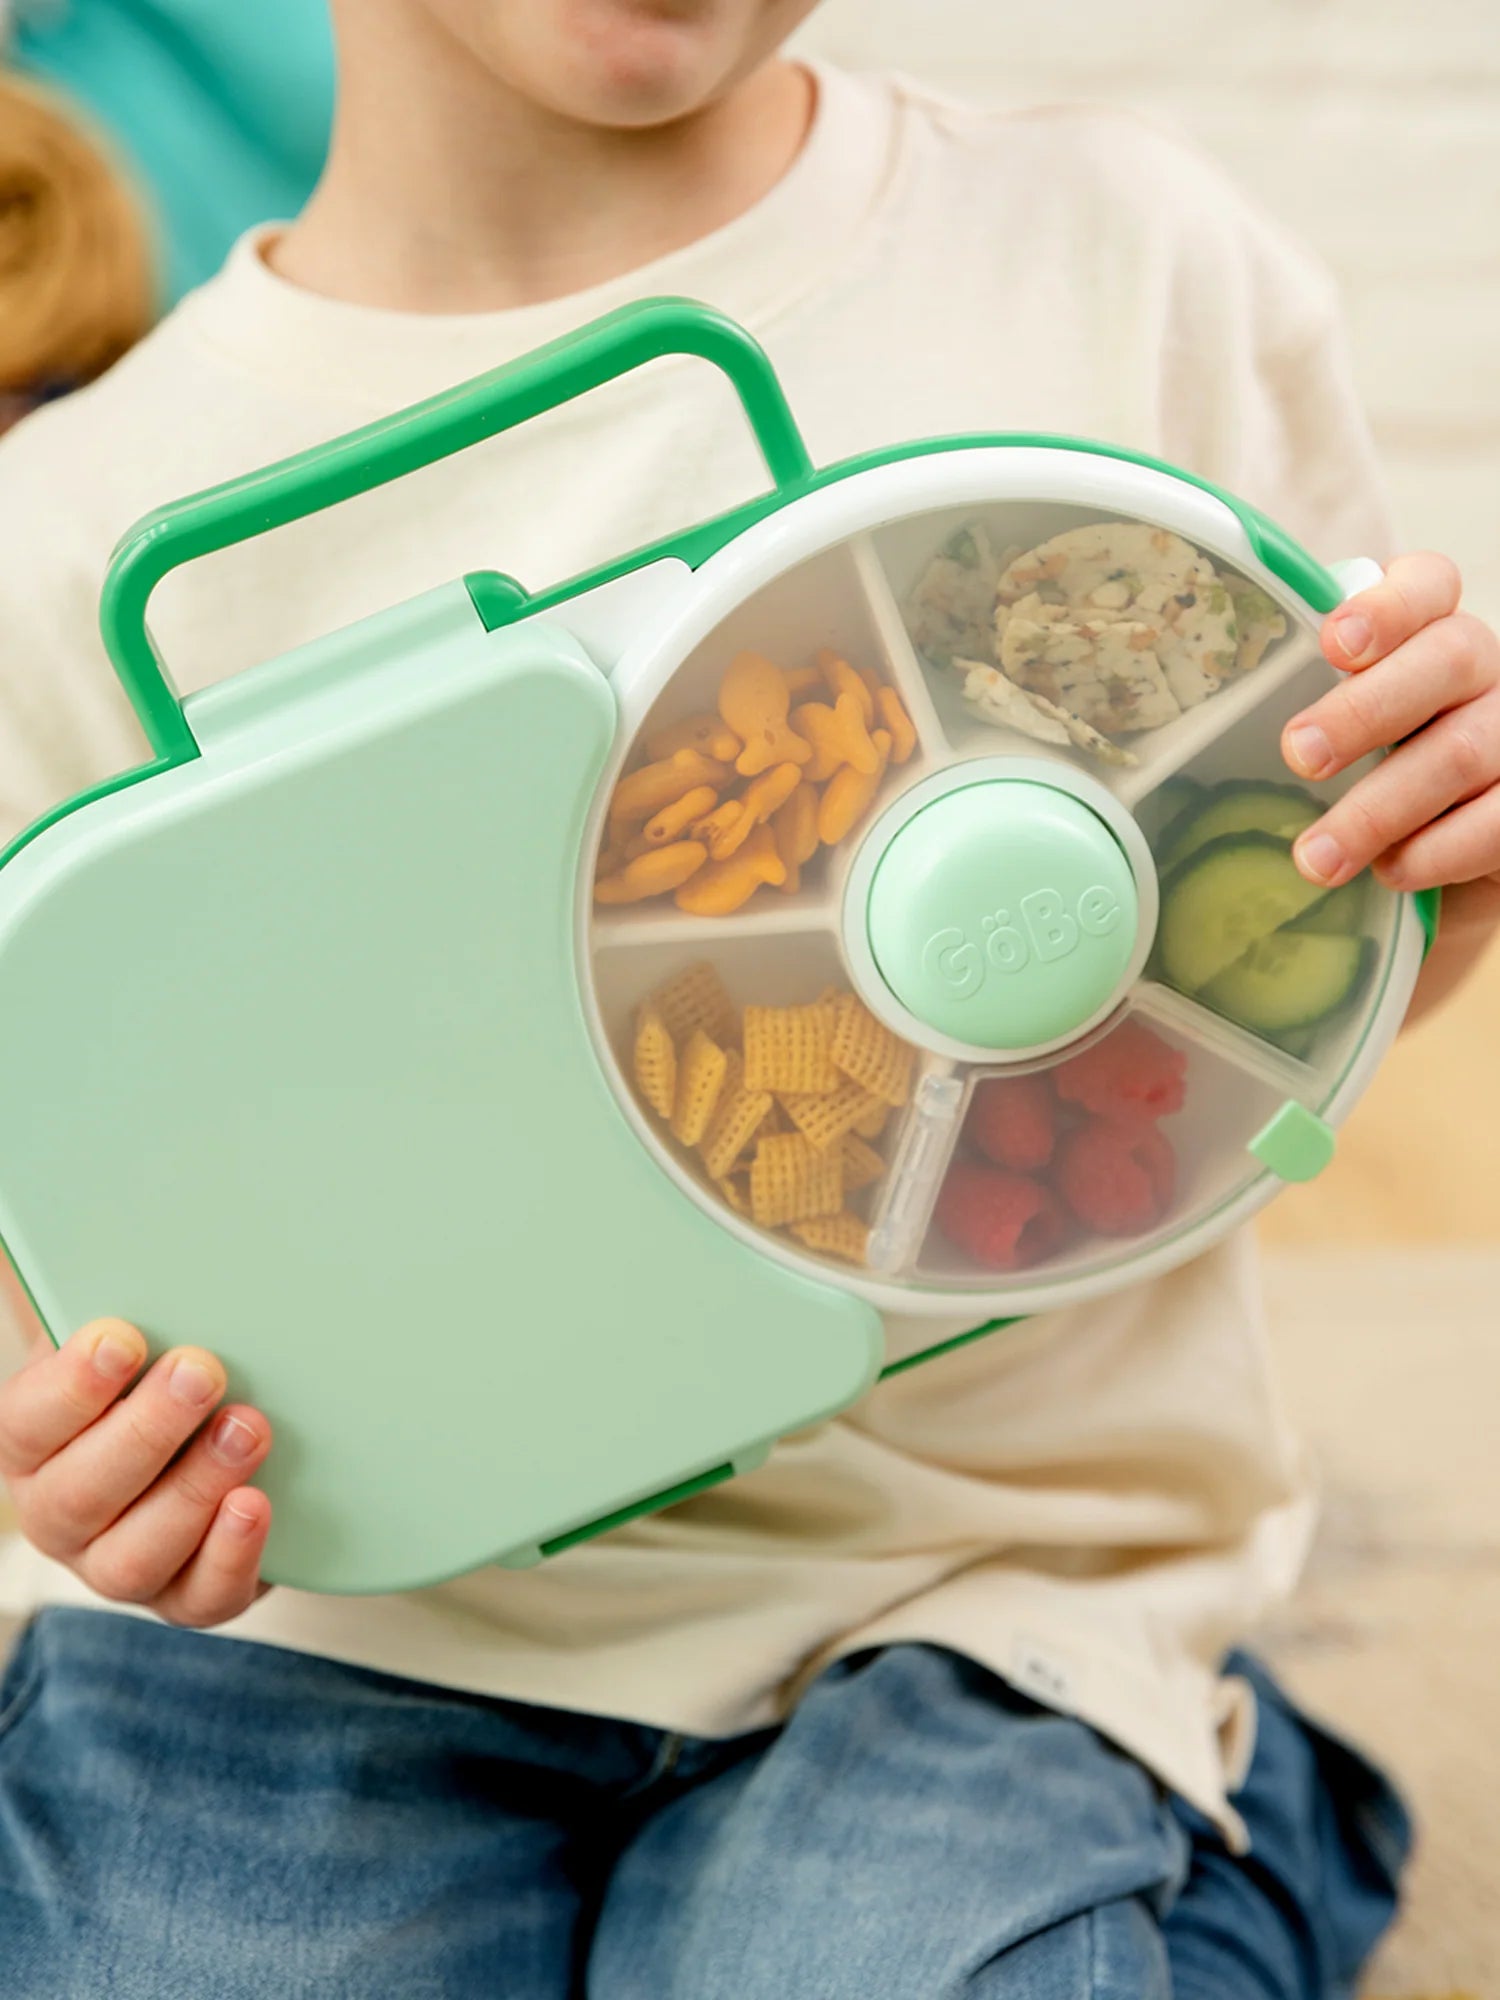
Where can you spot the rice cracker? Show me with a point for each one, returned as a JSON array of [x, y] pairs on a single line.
[[790, 1049], [737, 1117], [701, 1071], [863, 1166], [824, 1117], [866, 1050], [697, 998], [842, 1235], [655, 1061], [791, 1181]]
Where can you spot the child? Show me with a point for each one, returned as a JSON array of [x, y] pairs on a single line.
[[897, 1715]]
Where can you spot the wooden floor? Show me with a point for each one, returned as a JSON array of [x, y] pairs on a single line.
[[1392, 1368], [1419, 1160], [1385, 1310]]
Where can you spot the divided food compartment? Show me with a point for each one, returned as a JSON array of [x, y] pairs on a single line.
[[1078, 1164], [1295, 968], [1096, 1158], [1127, 688], [1208, 786], [1241, 932], [822, 1179], [762, 864], [777, 945]]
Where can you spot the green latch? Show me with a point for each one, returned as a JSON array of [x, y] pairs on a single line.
[[1296, 1145]]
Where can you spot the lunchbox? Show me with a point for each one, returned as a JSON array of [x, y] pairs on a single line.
[[554, 1046]]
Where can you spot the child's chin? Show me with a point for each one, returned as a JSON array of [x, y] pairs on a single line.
[[647, 62]]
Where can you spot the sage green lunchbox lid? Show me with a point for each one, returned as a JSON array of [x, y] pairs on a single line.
[[552, 1047]]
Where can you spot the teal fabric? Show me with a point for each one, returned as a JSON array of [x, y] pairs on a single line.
[[220, 107]]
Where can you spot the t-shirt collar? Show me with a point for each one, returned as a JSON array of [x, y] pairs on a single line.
[[754, 268]]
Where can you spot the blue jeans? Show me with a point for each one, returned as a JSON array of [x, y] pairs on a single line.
[[189, 1818]]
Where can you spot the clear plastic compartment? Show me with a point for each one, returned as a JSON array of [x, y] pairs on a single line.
[[772, 746], [1095, 1159], [1121, 648], [763, 1080], [1241, 933], [855, 1159]]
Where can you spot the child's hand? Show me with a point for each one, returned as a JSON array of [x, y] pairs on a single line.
[[1424, 675], [138, 1494]]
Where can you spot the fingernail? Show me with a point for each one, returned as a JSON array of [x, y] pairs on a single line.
[[240, 1523], [1320, 855], [1308, 749], [232, 1440], [190, 1382], [1354, 636], [117, 1355], [1390, 873]]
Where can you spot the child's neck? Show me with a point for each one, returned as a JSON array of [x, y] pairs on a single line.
[[476, 200]]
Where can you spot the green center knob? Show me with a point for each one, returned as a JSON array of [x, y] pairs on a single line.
[[1004, 914]]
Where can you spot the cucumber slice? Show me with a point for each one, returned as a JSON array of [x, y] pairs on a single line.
[[1298, 1042], [1225, 898], [1167, 810], [1285, 810], [1340, 914], [1288, 981]]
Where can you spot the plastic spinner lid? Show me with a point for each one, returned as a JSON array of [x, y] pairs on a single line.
[[1004, 914]]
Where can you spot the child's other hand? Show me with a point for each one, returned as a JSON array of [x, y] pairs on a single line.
[[1424, 675], [139, 1494]]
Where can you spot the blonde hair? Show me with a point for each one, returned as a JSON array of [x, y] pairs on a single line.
[[76, 284]]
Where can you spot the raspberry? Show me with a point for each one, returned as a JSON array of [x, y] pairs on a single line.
[[1001, 1219], [1013, 1122], [1116, 1181], [1132, 1077], [1154, 1151]]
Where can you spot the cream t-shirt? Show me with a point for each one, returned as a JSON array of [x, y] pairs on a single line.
[[1094, 1503]]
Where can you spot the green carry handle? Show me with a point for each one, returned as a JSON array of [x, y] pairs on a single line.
[[395, 445]]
